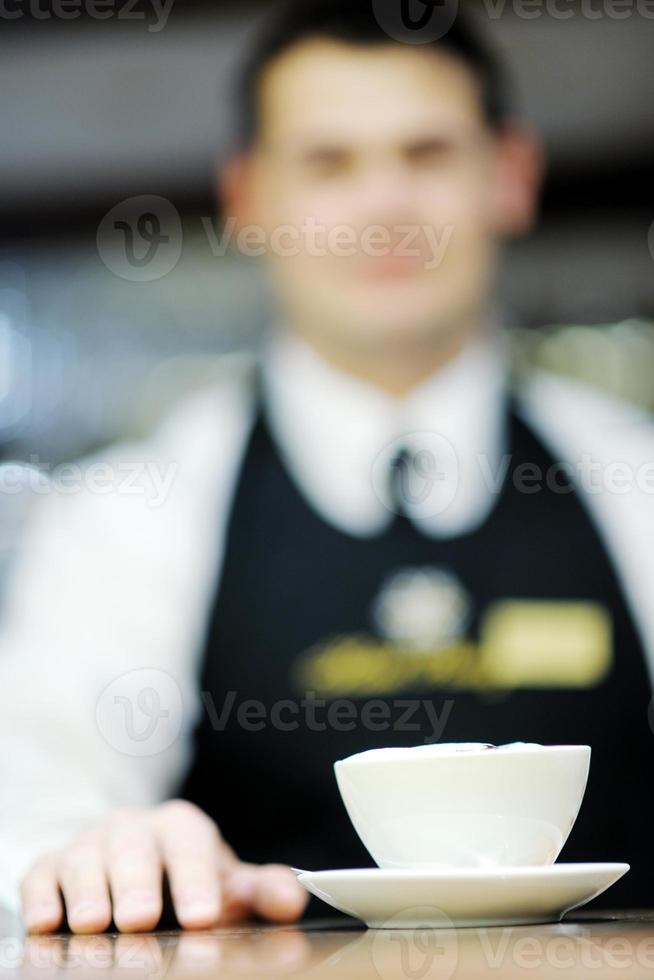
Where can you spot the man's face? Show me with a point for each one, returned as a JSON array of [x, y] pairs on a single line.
[[382, 192]]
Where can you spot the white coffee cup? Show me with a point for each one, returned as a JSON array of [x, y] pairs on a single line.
[[464, 804]]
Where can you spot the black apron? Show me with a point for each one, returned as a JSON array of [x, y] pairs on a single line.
[[292, 583]]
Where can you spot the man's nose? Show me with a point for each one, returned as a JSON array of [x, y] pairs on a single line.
[[386, 192]]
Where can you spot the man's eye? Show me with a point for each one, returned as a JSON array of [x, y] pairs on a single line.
[[430, 152], [325, 164]]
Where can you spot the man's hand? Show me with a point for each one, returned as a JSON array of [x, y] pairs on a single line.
[[115, 870]]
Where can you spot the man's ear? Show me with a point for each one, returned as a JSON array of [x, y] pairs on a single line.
[[521, 167], [234, 185]]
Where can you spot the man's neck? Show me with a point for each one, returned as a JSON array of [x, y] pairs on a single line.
[[394, 370]]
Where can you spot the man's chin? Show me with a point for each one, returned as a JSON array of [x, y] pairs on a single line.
[[392, 321], [396, 305], [380, 332]]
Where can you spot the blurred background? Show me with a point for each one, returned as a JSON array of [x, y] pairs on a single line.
[[104, 102]]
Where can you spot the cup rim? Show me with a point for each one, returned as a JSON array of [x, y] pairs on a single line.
[[408, 754]]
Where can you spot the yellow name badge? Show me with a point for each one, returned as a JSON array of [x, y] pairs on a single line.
[[545, 644], [522, 644]]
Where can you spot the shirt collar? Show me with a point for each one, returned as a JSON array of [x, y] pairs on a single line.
[[339, 435]]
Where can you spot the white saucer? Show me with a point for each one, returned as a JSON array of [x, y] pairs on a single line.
[[398, 899]]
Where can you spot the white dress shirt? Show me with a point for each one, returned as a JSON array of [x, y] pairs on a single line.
[[339, 435], [116, 578]]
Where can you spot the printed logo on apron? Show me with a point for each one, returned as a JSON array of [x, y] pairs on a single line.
[[421, 618]]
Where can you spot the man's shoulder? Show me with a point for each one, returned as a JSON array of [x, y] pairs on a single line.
[[204, 415], [183, 463], [582, 417], [194, 424]]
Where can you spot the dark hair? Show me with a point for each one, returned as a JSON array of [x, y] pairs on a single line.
[[355, 22]]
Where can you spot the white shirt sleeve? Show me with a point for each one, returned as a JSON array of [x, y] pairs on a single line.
[[608, 446], [103, 624]]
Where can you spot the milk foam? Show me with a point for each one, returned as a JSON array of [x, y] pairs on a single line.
[[440, 749]]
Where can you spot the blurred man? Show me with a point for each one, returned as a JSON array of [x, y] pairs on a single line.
[[374, 535]]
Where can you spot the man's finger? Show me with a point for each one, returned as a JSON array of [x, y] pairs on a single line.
[[83, 882], [192, 853], [42, 908], [134, 869], [273, 890]]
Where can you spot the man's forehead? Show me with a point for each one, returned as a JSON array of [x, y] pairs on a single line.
[[328, 89]]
